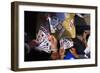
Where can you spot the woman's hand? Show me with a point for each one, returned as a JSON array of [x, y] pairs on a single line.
[[53, 41], [54, 49]]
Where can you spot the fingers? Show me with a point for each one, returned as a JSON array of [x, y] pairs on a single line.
[[53, 42], [52, 38]]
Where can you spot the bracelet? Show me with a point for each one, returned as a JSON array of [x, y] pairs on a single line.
[[54, 50]]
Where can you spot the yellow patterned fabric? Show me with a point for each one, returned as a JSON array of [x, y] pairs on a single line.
[[68, 25]]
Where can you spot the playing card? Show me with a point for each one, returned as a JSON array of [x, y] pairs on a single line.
[[44, 46], [42, 38], [66, 43]]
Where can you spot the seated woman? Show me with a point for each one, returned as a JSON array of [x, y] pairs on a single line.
[[80, 42]]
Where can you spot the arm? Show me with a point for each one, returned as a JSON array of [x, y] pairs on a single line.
[[62, 53], [54, 49]]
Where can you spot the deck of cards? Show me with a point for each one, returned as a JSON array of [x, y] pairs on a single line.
[[42, 38], [66, 43]]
